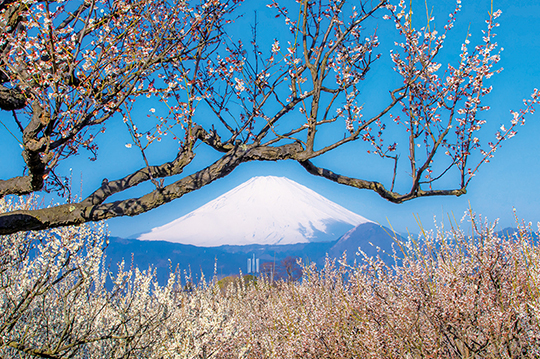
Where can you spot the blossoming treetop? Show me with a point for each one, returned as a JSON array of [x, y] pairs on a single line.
[[68, 68]]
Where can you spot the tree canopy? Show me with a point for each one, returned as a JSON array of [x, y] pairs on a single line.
[[68, 69]]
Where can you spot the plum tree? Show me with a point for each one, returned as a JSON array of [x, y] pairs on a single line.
[[67, 69]]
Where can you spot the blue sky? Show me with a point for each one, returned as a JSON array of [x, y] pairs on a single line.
[[509, 181]]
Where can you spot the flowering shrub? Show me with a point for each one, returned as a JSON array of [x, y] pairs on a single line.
[[447, 295]]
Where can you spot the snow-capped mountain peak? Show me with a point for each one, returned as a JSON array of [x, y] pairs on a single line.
[[263, 210]]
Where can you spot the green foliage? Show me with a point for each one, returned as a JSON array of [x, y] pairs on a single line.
[[234, 280], [250, 279]]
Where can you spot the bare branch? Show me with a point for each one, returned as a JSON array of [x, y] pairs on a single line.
[[391, 196]]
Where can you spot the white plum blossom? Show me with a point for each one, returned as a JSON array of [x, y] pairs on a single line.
[[275, 46], [59, 298], [239, 86]]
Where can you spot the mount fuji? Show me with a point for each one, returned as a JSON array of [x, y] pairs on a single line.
[[264, 210]]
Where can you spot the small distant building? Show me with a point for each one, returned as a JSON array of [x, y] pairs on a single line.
[[253, 265]]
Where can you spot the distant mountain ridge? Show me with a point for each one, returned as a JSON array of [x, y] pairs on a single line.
[[231, 259], [264, 210], [370, 238]]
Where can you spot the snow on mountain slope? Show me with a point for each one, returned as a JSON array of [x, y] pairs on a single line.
[[263, 210]]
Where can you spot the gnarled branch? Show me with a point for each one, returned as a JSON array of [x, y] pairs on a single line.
[[11, 99], [391, 196], [93, 208]]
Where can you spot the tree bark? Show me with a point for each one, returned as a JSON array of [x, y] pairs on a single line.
[[391, 196], [11, 99], [93, 209]]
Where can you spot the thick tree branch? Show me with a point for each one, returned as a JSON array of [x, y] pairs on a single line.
[[17, 185], [92, 209], [11, 99], [391, 196], [35, 153], [168, 169]]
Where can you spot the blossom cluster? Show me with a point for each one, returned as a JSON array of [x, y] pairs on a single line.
[[441, 109], [447, 293]]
